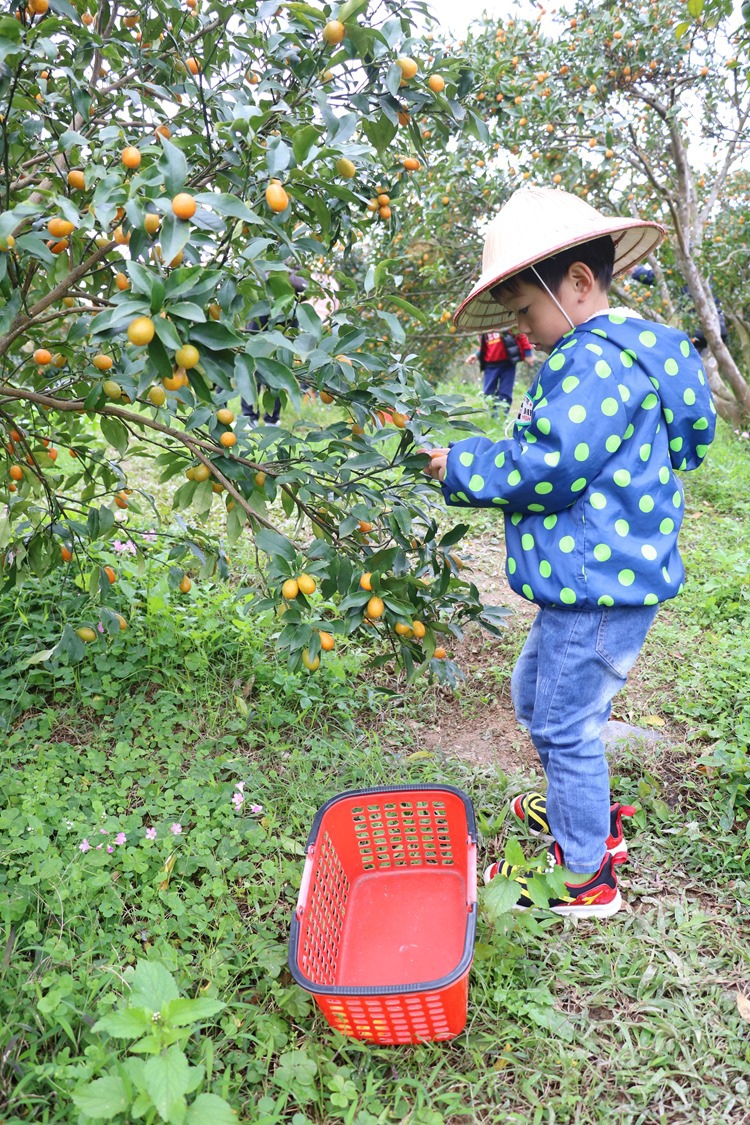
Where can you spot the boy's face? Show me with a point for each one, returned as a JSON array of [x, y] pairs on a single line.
[[537, 314]]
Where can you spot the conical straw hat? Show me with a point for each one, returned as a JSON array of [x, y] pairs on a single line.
[[537, 223]]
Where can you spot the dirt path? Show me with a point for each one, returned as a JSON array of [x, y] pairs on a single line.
[[479, 725]]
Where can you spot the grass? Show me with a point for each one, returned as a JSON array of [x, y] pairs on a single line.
[[636, 1018]]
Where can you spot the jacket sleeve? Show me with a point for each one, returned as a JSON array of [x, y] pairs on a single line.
[[687, 405], [578, 422], [524, 345]]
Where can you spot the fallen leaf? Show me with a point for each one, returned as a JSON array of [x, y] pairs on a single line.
[[743, 1006], [655, 721], [418, 754]]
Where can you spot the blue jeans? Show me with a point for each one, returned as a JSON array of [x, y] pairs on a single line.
[[498, 380], [573, 664]]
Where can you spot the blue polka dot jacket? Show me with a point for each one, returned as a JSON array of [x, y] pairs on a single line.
[[587, 482]]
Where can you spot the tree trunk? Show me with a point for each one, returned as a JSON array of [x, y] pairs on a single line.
[[724, 401], [742, 332]]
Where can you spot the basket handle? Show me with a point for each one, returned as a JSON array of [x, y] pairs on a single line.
[[471, 873], [304, 886]]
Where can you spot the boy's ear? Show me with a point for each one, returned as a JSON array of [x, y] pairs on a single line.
[[581, 278]]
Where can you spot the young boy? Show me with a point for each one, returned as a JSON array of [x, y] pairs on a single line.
[[591, 503]]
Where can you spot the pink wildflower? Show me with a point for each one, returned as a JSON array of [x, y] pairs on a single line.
[[175, 829], [149, 536], [110, 849], [120, 838], [256, 808], [237, 800], [150, 833], [100, 627], [84, 846]]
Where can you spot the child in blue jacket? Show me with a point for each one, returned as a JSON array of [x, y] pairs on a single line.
[[591, 502]]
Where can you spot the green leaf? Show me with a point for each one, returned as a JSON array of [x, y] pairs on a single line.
[[129, 1023], [216, 337], [295, 1069], [695, 8], [303, 140], [210, 1109], [514, 853], [187, 310], [225, 204], [157, 353], [182, 1011], [115, 433], [9, 220], [309, 321], [409, 308], [279, 377], [272, 544], [117, 318], [380, 133], [500, 896], [350, 8], [202, 497], [453, 536], [167, 1079], [173, 167], [174, 235], [397, 330], [102, 1099], [142, 279], [152, 986]]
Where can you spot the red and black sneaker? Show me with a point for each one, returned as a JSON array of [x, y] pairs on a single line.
[[531, 808], [598, 897]]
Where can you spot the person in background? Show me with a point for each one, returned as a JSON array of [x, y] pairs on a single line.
[[257, 325], [498, 354]]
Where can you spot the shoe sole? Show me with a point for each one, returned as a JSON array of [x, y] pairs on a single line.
[[605, 910], [620, 849]]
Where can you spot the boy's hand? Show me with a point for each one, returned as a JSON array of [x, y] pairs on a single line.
[[438, 462]]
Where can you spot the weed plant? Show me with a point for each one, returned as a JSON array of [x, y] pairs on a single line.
[[158, 796]]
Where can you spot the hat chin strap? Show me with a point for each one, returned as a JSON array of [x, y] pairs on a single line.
[[552, 295]]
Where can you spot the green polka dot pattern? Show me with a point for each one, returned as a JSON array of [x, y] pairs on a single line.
[[587, 484]]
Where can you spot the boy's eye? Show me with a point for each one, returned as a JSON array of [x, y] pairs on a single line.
[[522, 312]]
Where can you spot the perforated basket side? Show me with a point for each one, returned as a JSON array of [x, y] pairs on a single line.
[[411, 1018], [404, 830], [322, 921]]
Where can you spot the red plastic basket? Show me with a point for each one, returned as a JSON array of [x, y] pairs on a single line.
[[383, 933]]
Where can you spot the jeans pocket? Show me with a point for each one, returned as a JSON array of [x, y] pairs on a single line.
[[620, 636]]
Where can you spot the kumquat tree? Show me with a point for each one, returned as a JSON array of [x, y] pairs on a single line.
[[252, 667], [176, 180], [640, 108]]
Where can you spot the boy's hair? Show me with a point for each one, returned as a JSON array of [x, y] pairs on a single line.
[[598, 255]]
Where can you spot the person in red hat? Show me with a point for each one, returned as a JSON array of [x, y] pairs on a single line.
[[498, 355], [592, 504]]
